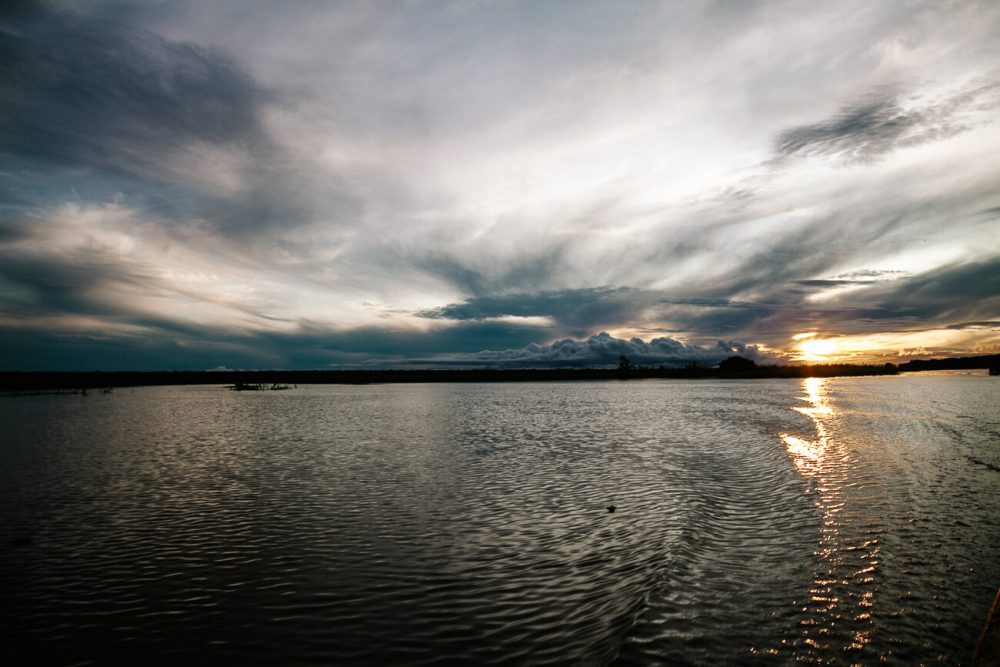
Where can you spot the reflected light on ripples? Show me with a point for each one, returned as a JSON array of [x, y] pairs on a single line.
[[808, 454], [833, 598]]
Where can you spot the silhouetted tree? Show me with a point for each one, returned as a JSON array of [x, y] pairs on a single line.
[[624, 364], [737, 364]]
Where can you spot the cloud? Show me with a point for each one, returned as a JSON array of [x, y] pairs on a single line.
[[879, 124], [573, 308], [98, 93], [604, 350], [855, 278], [162, 344], [95, 103], [358, 183], [579, 312], [968, 291], [991, 325], [962, 296]]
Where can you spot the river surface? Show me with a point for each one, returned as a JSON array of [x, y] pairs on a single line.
[[833, 521]]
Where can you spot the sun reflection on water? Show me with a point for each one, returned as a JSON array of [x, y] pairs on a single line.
[[808, 455], [838, 610]]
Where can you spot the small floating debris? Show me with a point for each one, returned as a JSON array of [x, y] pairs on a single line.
[[258, 386], [611, 508], [985, 464]]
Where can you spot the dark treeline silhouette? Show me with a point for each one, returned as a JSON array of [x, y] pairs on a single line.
[[42, 381], [737, 365], [734, 367], [952, 363]]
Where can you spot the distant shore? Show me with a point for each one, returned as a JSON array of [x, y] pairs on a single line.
[[28, 381]]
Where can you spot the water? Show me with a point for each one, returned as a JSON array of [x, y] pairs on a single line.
[[774, 521]]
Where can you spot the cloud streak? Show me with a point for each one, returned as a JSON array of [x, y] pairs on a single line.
[[866, 131]]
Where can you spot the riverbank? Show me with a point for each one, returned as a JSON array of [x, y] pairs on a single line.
[[28, 381], [43, 381]]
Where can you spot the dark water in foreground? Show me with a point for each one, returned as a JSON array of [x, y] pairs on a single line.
[[838, 520]]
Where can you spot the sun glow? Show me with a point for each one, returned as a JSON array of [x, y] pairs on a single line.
[[893, 346], [817, 349]]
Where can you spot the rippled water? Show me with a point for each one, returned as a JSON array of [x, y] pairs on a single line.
[[840, 520]]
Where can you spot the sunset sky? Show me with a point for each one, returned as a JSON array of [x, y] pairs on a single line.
[[428, 183]]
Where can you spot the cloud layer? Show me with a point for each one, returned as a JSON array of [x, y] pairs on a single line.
[[606, 350], [189, 184]]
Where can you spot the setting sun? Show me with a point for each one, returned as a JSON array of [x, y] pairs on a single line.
[[817, 349]]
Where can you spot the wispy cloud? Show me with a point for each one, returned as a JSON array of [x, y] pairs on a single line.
[[866, 131]]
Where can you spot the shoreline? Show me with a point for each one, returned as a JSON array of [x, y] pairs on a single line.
[[27, 382], [48, 381]]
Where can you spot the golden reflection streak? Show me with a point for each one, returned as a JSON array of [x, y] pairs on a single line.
[[808, 455], [812, 458]]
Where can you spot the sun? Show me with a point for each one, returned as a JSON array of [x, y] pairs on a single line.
[[817, 349]]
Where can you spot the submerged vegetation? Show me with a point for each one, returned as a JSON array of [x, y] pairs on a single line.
[[55, 391], [258, 386]]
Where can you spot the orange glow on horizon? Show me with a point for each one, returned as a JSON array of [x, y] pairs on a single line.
[[817, 349], [897, 346]]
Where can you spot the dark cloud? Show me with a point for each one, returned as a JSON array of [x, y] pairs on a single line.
[[167, 345], [377, 344], [16, 9], [783, 307], [752, 278], [12, 230], [957, 297], [93, 92], [91, 105], [530, 268], [988, 324], [964, 292], [46, 350], [879, 124], [51, 285], [573, 308], [579, 311], [859, 132], [862, 277], [604, 350], [455, 272], [711, 303]]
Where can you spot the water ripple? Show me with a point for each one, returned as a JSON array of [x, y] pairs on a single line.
[[831, 520]]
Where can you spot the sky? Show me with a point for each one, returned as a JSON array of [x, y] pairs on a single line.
[[249, 184]]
